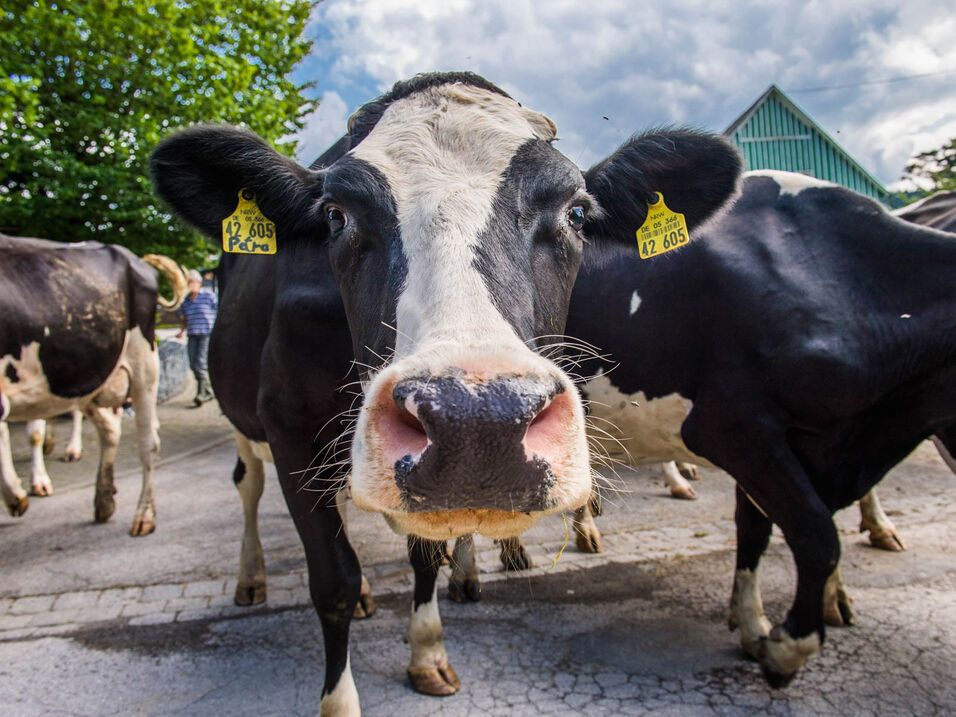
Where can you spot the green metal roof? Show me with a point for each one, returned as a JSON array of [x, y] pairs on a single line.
[[776, 134]]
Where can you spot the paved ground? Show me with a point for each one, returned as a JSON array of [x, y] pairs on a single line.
[[94, 622]]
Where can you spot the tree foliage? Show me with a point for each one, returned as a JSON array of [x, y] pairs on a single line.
[[935, 169], [88, 87]]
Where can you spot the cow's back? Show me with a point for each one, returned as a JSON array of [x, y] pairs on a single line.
[[71, 305]]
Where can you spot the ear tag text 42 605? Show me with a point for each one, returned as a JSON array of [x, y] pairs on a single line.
[[662, 231], [246, 230]]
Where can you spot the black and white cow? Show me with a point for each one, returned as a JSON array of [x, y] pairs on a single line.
[[446, 234], [76, 332], [805, 343]]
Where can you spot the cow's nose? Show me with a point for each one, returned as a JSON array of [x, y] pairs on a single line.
[[469, 443]]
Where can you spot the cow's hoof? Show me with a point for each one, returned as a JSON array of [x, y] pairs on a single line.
[[103, 510], [775, 679], [838, 609], [20, 507], [887, 540], [247, 595], [689, 471], [589, 541], [142, 525], [365, 607], [684, 492], [435, 681], [514, 556], [41, 487], [781, 656], [464, 591], [73, 455]]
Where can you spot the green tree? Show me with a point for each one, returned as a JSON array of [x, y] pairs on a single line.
[[936, 165], [88, 87]]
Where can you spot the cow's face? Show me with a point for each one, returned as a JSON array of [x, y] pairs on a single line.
[[454, 229], [455, 232]]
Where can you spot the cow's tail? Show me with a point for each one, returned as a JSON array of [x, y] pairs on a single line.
[[174, 274]]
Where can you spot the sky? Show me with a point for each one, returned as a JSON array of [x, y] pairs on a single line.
[[606, 69]]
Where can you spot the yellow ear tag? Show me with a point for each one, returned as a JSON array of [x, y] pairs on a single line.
[[246, 230], [662, 231]]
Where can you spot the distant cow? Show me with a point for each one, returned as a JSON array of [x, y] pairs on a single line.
[[806, 343], [447, 232], [77, 332]]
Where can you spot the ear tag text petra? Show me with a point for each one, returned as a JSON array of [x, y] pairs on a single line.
[[246, 230], [662, 231]]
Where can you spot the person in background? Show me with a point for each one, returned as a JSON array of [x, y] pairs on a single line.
[[198, 313]]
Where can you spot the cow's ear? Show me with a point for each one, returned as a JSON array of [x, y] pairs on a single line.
[[695, 172], [200, 171]]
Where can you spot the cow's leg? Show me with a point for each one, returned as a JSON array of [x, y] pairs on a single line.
[[109, 425], [837, 605], [587, 535], [74, 449], [428, 670], [688, 470], [772, 476], [335, 576], [513, 554], [365, 607], [678, 485], [49, 439], [13, 494], [144, 384], [40, 483], [746, 605], [883, 533], [249, 478], [464, 584]]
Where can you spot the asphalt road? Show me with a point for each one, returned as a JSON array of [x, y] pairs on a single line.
[[94, 622]]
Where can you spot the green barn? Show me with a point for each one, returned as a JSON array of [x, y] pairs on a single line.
[[776, 134]]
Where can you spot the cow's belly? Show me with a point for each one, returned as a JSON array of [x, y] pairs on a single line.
[[641, 430], [26, 389]]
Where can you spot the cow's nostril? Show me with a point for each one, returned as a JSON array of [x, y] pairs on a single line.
[[546, 429], [407, 417]]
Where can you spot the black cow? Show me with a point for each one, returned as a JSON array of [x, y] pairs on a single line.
[[448, 238], [77, 328], [805, 343], [937, 211]]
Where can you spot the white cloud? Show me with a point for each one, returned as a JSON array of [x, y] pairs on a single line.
[[323, 126], [660, 62]]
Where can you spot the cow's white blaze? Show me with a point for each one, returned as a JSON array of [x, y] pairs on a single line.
[[444, 152], [790, 182], [643, 430]]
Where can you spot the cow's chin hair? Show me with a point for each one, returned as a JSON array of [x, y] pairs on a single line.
[[447, 524]]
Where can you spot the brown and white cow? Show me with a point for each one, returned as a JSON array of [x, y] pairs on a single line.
[[77, 333]]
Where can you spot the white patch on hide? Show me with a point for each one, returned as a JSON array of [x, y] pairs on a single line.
[[635, 303], [646, 430], [790, 182]]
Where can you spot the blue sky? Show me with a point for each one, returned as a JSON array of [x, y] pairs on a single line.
[[645, 64]]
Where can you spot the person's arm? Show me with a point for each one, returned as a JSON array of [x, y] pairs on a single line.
[[182, 321]]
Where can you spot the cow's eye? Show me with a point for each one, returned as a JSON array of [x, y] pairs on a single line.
[[576, 217], [337, 219]]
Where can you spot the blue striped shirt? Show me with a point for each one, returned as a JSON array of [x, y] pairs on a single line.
[[200, 313]]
